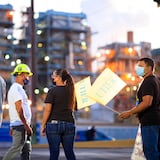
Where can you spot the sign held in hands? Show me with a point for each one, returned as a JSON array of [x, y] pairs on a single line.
[[81, 89], [105, 87]]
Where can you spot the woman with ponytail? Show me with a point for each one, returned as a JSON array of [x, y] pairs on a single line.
[[58, 121]]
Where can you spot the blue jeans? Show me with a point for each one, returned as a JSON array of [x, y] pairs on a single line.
[[151, 142], [61, 132]]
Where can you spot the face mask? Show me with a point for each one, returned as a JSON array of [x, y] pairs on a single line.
[[26, 81], [54, 83], [140, 71]]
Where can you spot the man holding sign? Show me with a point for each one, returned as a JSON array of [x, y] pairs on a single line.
[[148, 109]]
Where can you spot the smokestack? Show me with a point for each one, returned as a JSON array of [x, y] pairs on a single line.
[[130, 36]]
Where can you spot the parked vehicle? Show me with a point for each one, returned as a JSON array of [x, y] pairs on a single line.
[[91, 134]]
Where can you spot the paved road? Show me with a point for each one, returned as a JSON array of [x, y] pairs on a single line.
[[82, 154]]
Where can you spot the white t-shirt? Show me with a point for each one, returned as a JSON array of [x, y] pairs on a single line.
[[16, 93]]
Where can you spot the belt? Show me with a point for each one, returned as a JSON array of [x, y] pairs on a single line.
[[19, 126], [54, 121]]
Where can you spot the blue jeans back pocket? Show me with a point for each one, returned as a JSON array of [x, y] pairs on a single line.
[[52, 128]]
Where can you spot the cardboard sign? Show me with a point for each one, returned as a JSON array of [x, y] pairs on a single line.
[[81, 89], [105, 87]]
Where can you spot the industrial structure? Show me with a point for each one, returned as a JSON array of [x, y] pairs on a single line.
[[6, 40], [62, 41], [121, 58]]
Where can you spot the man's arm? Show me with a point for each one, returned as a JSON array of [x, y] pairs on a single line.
[[19, 109], [46, 115], [146, 103], [3, 88], [2, 96]]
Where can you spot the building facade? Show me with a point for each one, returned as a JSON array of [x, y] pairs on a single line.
[[6, 40], [62, 40]]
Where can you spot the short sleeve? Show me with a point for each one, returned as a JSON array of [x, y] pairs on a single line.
[[17, 93], [50, 96], [148, 88]]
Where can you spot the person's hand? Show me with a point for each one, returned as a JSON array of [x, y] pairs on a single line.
[[43, 131], [125, 115], [11, 131], [28, 130]]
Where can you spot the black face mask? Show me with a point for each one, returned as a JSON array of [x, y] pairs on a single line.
[[54, 83]]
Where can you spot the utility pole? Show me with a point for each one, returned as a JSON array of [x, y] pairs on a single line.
[[32, 61]]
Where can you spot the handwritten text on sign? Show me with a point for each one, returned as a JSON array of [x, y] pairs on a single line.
[[81, 89], [105, 87]]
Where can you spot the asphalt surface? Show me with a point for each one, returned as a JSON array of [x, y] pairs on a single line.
[[81, 153]]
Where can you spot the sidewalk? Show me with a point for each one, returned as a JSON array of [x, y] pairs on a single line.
[[87, 144], [90, 150], [82, 154]]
